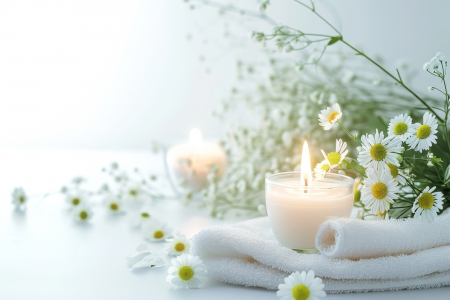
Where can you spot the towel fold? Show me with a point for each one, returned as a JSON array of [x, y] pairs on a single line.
[[355, 239], [248, 254]]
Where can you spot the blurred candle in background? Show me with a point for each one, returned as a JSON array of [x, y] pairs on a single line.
[[191, 162]]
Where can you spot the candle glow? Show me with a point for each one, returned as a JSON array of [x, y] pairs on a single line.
[[195, 138], [305, 170]]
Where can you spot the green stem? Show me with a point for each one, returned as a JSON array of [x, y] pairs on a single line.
[[348, 132]]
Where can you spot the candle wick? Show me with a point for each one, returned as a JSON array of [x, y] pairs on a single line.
[[306, 184]]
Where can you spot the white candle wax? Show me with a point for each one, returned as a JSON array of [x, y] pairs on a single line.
[[296, 212], [191, 162]]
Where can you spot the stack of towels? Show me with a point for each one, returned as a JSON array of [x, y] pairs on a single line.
[[355, 255]]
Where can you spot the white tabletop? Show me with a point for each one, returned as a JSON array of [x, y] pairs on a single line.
[[45, 255]]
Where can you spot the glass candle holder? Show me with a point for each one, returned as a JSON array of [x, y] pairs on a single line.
[[296, 211]]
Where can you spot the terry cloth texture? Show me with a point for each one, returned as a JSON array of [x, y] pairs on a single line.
[[248, 254]]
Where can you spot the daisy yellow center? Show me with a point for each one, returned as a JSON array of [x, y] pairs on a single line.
[[379, 190], [114, 206], [423, 131], [400, 128], [334, 158], [83, 215], [158, 234], [332, 116], [426, 201], [393, 169], [185, 273], [145, 215], [300, 292], [21, 199], [325, 167], [179, 247], [75, 201], [378, 152], [133, 192]]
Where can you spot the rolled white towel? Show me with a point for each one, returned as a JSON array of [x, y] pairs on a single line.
[[248, 254], [356, 239]]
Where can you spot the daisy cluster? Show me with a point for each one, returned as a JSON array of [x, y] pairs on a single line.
[[392, 164]]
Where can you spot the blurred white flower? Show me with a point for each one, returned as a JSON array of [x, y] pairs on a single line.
[[143, 257], [133, 193], [187, 271], [156, 231], [140, 217], [177, 245], [321, 169], [113, 205], [77, 198], [437, 65], [82, 213], [19, 198]]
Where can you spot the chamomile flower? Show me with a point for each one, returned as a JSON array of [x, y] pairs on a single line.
[[400, 127], [379, 191], [301, 286], [376, 151], [140, 217], [428, 204], [177, 245], [114, 205], [19, 198], [133, 193], [82, 213], [187, 271], [335, 158], [156, 231], [77, 198], [329, 116], [425, 134], [321, 169], [397, 174]]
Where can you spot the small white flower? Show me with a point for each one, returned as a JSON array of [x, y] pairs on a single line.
[[287, 139], [114, 205], [400, 127], [77, 198], [379, 191], [335, 158], [301, 286], [177, 245], [143, 257], [19, 198], [428, 204], [186, 271], [140, 217], [321, 169], [430, 88], [133, 193], [329, 116], [82, 213], [156, 231], [376, 151], [437, 65], [425, 134]]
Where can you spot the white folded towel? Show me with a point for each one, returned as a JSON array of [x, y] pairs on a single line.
[[248, 254], [355, 239]]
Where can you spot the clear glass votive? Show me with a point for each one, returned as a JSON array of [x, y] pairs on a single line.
[[296, 211]]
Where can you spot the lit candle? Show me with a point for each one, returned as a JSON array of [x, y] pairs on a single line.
[[297, 205], [191, 162]]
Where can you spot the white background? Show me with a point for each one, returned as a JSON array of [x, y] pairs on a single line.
[[118, 74]]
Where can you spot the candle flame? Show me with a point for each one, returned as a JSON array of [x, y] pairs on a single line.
[[305, 170], [195, 138]]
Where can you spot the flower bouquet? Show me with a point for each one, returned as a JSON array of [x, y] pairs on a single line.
[[405, 172]]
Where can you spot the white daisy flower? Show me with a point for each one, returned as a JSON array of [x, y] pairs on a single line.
[[133, 193], [143, 257], [437, 65], [425, 134], [329, 116], [156, 231], [301, 286], [186, 271], [335, 158], [428, 204], [400, 127], [114, 205], [321, 169], [177, 245], [19, 198], [140, 217], [77, 198], [82, 213], [379, 191], [376, 151], [397, 174]]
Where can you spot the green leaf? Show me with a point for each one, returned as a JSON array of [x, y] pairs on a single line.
[[334, 39]]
